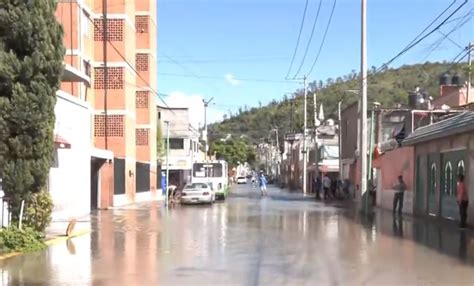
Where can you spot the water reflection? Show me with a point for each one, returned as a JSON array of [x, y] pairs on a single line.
[[398, 226]]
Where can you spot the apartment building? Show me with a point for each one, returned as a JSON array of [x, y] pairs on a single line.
[[184, 143], [117, 85]]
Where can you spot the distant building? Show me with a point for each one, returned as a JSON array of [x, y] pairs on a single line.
[[185, 148]]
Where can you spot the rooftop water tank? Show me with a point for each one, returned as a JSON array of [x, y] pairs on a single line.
[[445, 79]]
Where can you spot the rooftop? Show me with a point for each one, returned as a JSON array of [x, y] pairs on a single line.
[[452, 126]]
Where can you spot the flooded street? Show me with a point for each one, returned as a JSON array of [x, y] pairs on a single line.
[[283, 239]]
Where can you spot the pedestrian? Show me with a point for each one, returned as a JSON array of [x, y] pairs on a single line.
[[463, 200], [400, 189], [263, 184], [326, 186], [333, 188], [319, 185]]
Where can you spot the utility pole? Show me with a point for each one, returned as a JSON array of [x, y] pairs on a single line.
[[206, 147], [340, 139], [167, 161], [304, 134], [316, 140], [470, 48], [363, 72], [278, 154], [106, 72]]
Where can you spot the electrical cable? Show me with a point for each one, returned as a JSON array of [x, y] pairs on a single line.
[[298, 40], [324, 38], [309, 41]]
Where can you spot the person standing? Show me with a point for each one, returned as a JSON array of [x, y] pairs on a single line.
[[263, 185], [400, 189], [319, 185], [326, 186], [463, 200]]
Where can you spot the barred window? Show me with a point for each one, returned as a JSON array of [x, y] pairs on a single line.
[[141, 99], [115, 30], [141, 137], [141, 24], [115, 125], [115, 78], [141, 62]]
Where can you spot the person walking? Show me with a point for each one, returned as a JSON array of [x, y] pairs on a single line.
[[462, 199], [263, 185], [400, 189]]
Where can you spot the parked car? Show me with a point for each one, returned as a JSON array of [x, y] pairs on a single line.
[[198, 193], [241, 180]]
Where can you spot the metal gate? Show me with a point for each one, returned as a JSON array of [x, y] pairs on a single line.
[[119, 176], [142, 178]]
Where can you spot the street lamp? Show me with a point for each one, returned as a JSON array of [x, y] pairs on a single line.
[[167, 160]]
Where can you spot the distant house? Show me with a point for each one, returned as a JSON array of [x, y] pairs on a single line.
[[184, 144]]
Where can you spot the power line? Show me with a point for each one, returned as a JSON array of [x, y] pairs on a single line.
[[414, 43], [215, 61], [310, 39], [462, 21], [222, 78], [298, 40], [324, 38]]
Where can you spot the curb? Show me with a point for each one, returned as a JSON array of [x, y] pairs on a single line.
[[59, 239], [49, 242]]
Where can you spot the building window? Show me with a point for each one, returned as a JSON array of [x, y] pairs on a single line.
[[141, 24], [176, 143], [141, 62], [115, 125], [141, 99], [159, 115], [115, 30], [87, 68], [115, 78], [141, 136]]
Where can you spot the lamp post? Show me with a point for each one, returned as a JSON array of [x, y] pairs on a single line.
[[167, 160]]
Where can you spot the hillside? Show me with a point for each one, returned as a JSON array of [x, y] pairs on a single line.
[[390, 88]]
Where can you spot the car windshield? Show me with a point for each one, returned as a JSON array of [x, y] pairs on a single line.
[[196, 186]]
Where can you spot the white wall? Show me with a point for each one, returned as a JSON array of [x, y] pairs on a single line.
[[69, 178]]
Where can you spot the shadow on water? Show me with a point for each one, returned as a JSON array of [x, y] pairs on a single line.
[[445, 238]]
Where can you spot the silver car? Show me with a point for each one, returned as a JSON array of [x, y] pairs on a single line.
[[197, 193]]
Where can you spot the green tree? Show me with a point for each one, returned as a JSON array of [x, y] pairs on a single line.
[[160, 143], [234, 151], [31, 56]]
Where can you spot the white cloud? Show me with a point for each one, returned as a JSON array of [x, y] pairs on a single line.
[[196, 107], [231, 80]]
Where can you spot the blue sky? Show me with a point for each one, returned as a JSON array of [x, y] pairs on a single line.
[[230, 40]]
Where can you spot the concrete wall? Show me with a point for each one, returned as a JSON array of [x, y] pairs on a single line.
[[392, 164], [69, 178]]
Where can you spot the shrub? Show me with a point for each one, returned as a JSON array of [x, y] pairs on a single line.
[[24, 240], [38, 209]]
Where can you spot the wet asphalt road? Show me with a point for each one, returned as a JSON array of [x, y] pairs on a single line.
[[283, 239]]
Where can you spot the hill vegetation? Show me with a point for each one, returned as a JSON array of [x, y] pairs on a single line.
[[390, 88]]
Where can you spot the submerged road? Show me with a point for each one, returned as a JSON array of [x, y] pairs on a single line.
[[282, 239]]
